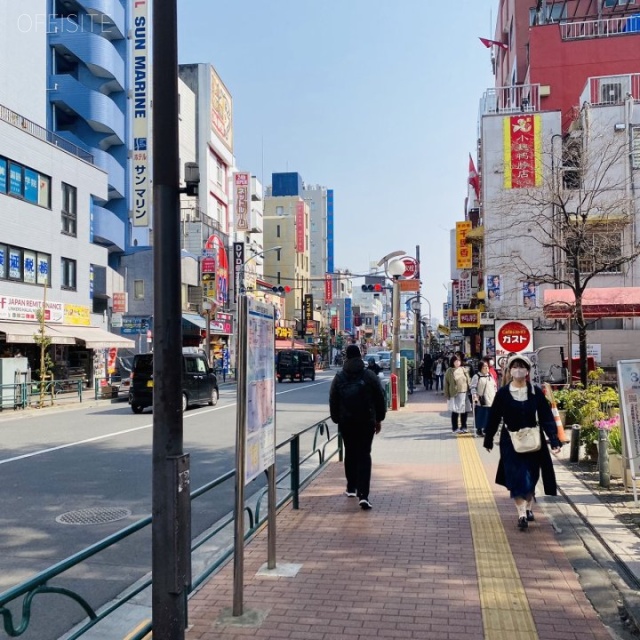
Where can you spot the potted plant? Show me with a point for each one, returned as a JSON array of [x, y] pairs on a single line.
[[612, 425]]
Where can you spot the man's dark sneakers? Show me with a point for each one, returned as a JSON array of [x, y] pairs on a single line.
[[350, 494], [530, 516], [365, 504], [522, 523]]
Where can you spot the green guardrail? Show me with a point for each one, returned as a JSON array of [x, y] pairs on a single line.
[[24, 594]]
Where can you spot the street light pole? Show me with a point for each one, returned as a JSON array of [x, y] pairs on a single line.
[[395, 270]]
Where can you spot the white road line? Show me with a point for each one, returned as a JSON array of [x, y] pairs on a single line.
[[120, 433]]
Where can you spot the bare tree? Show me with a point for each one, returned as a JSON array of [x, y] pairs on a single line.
[[573, 227]]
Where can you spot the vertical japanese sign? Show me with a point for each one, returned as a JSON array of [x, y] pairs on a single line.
[[208, 278], [140, 174], [307, 313], [260, 389], [238, 263], [522, 151], [348, 317], [300, 230], [328, 289], [463, 250], [241, 200], [221, 110]]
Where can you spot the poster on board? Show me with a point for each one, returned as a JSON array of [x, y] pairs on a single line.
[[260, 431]]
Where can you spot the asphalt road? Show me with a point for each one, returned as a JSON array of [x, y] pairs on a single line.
[[61, 461]]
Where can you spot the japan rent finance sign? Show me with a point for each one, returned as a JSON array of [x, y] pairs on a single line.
[[513, 336]]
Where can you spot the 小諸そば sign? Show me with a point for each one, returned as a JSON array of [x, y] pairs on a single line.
[[513, 336]]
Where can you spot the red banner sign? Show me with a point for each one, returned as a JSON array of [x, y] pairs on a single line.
[[522, 148], [328, 289], [300, 230]]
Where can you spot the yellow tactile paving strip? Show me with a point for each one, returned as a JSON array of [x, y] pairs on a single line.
[[505, 610]]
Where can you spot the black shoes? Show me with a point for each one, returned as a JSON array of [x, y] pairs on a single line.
[[365, 504], [530, 516], [523, 524], [350, 494]]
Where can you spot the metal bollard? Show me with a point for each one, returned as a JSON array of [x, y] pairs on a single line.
[[574, 446], [603, 458]]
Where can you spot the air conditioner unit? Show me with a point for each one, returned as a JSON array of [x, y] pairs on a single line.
[[487, 317]]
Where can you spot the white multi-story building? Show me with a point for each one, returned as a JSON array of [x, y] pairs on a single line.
[[589, 173]]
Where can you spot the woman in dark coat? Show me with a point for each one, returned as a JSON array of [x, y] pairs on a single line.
[[518, 403]]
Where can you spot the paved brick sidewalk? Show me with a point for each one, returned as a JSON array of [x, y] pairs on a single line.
[[407, 568]]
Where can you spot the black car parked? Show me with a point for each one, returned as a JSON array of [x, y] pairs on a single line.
[[199, 383], [295, 364]]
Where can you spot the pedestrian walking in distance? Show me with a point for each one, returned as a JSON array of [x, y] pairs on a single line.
[[522, 405], [483, 391], [457, 384], [358, 406]]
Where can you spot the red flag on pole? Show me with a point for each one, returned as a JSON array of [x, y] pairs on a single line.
[[489, 43], [474, 178]]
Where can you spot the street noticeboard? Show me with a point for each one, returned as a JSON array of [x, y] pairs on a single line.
[[260, 389], [629, 386], [513, 336]]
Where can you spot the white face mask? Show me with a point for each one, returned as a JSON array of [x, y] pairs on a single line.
[[518, 374], [491, 363]]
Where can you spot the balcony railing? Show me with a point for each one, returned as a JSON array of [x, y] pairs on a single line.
[[610, 90], [604, 28], [40, 132], [514, 99]]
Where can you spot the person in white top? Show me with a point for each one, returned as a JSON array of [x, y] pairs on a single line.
[[483, 391]]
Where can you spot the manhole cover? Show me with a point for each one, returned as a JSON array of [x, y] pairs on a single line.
[[99, 515]]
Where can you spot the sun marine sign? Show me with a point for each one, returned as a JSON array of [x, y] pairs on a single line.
[[140, 174]]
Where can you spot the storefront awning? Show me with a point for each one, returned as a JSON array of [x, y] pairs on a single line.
[[604, 302], [25, 332], [95, 338], [194, 319], [286, 344]]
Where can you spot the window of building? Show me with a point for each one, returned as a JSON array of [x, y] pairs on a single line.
[[278, 254], [597, 250], [69, 209], [572, 165], [24, 265], [278, 277], [138, 289], [68, 273], [22, 182], [279, 211], [606, 324], [15, 179], [613, 3], [277, 231]]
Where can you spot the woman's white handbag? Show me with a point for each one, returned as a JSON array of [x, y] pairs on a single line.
[[526, 440]]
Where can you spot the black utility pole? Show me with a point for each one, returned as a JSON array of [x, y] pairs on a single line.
[[171, 530]]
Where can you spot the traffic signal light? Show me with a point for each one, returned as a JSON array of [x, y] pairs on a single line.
[[281, 289], [372, 288]]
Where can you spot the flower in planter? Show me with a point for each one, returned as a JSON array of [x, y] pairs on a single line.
[[608, 423]]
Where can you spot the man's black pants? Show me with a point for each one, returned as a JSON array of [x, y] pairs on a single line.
[[357, 458]]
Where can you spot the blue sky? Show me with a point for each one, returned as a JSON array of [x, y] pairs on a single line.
[[375, 99]]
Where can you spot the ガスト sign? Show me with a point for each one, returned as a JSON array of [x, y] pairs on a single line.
[[513, 336]]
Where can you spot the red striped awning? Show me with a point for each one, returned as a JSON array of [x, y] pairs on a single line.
[[603, 302]]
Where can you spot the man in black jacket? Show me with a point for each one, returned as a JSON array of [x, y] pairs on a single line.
[[358, 406]]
